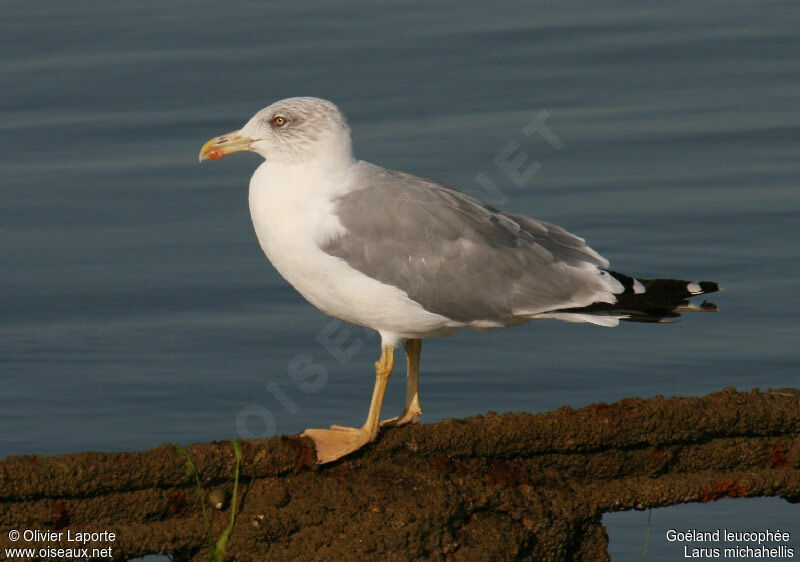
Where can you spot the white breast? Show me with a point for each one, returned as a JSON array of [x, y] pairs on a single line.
[[292, 214]]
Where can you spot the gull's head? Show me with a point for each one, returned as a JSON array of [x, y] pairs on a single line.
[[290, 131]]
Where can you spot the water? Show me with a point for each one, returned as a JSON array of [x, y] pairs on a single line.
[[137, 307]]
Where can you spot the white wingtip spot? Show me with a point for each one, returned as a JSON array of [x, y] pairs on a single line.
[[694, 288], [638, 288], [613, 286]]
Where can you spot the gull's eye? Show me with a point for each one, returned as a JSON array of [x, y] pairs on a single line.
[[279, 120]]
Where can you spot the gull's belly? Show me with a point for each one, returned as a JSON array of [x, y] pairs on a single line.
[[288, 232]]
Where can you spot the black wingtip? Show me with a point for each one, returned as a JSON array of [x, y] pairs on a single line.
[[709, 286], [705, 305]]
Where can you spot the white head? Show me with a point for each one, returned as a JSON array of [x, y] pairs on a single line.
[[290, 131]]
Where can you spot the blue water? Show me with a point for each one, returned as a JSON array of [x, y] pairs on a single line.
[[137, 308]]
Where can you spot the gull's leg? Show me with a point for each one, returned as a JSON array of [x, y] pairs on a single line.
[[412, 410], [338, 441]]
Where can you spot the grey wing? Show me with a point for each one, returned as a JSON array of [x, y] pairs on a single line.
[[459, 257]]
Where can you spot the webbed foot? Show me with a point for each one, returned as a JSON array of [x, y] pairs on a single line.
[[338, 441]]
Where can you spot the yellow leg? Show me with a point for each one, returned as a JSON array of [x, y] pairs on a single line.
[[338, 441], [412, 411]]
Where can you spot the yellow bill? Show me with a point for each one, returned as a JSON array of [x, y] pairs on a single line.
[[221, 146]]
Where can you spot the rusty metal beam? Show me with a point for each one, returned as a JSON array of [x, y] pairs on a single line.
[[517, 486]]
